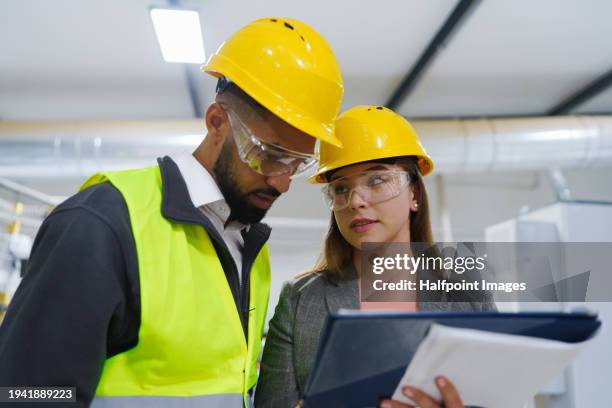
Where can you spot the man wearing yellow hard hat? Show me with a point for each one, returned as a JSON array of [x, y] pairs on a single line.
[[150, 287]]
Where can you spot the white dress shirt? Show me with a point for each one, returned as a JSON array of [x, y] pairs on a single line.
[[206, 196]]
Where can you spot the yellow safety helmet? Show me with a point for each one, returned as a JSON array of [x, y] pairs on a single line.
[[370, 133], [288, 68]]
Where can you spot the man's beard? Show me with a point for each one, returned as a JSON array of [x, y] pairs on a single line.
[[241, 209]]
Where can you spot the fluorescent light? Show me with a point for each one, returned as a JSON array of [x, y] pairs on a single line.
[[179, 35]]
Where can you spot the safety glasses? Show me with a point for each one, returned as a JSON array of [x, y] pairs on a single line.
[[265, 158], [373, 187]]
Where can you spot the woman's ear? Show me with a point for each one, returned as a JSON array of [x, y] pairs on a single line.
[[414, 198]]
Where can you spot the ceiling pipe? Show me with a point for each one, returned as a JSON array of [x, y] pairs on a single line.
[[491, 145], [77, 149], [583, 95], [559, 183], [459, 14]]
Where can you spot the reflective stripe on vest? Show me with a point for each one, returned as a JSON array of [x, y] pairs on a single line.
[[191, 342], [149, 401]]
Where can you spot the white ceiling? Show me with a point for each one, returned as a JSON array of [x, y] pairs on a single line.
[[71, 59], [518, 57]]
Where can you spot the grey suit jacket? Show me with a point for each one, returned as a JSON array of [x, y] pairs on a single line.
[[294, 331]]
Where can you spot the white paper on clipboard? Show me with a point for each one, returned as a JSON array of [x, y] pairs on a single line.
[[488, 369]]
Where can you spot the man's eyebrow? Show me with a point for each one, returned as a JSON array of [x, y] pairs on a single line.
[[282, 146], [273, 140], [274, 143]]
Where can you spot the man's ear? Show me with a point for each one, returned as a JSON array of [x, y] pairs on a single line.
[[217, 123]]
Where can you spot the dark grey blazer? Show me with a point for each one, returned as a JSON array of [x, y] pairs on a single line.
[[293, 335]]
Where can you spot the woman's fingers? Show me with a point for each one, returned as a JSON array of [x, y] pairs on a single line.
[[394, 404], [420, 398], [449, 393], [450, 396]]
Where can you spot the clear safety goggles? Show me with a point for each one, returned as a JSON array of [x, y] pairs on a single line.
[[372, 186], [265, 158]]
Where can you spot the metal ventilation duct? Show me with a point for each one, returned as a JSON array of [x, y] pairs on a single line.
[[77, 149], [485, 145]]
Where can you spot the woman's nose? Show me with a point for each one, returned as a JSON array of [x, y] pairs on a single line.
[[357, 200]]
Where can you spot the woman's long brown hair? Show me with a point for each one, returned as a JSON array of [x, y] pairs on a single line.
[[338, 253]]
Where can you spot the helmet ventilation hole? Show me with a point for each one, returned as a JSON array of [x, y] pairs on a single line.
[[289, 26]]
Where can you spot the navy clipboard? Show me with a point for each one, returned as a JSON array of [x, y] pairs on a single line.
[[363, 355]]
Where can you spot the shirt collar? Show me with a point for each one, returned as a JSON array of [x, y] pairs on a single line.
[[201, 186], [203, 189]]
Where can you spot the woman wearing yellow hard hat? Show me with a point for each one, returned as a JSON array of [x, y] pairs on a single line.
[[374, 187]]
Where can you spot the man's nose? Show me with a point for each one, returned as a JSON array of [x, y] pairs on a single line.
[[280, 183]]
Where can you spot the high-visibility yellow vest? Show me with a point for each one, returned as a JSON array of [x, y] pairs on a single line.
[[191, 347]]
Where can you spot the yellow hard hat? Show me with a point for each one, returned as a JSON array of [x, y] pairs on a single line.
[[287, 67], [370, 133]]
